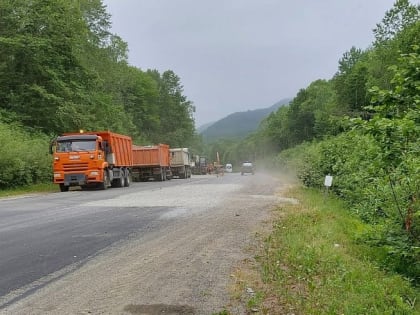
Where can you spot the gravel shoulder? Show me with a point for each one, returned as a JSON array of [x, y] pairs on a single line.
[[183, 268]]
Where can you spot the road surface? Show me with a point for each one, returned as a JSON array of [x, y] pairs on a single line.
[[151, 248]]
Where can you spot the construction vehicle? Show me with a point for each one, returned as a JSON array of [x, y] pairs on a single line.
[[180, 162], [151, 162], [201, 165], [99, 159], [218, 168]]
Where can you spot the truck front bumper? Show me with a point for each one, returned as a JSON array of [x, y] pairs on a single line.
[[77, 179]]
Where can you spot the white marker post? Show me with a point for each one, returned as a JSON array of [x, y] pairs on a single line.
[[328, 182]]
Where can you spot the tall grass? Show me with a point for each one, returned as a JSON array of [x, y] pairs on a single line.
[[36, 188], [312, 263]]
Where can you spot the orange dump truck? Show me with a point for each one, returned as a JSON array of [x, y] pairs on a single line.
[[100, 159], [151, 162]]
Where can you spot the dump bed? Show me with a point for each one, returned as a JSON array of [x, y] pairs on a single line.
[[152, 155], [120, 147], [179, 156]]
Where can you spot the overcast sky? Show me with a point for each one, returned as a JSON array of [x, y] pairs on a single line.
[[236, 55]]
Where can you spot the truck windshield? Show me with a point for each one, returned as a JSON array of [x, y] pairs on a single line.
[[76, 145]]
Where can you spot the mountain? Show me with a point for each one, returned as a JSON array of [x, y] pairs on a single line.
[[204, 127], [238, 125]]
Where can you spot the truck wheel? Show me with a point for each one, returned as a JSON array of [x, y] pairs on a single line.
[[122, 181], [127, 179], [105, 183], [64, 188]]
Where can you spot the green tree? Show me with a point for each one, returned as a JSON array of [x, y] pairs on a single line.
[[397, 19], [40, 73], [392, 39], [350, 82], [175, 110]]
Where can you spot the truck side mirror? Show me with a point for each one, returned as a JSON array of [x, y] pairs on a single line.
[[105, 147], [52, 145]]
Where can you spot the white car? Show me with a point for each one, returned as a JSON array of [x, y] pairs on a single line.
[[228, 168], [247, 167]]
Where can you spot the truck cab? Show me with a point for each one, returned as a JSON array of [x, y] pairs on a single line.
[[79, 160]]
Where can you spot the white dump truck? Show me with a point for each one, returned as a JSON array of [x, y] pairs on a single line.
[[180, 162]]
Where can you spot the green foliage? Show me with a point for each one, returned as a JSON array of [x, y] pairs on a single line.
[[350, 82], [396, 129], [39, 69], [396, 20], [175, 111], [62, 70], [24, 157], [387, 199], [395, 35], [46, 187], [309, 116]]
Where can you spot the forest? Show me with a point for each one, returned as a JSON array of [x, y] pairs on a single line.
[[61, 69]]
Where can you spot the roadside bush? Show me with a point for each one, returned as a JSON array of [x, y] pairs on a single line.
[[24, 157], [301, 160], [387, 198], [351, 158]]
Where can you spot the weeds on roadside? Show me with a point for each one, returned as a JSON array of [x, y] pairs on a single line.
[[36, 188], [312, 263]]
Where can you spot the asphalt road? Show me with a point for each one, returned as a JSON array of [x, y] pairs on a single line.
[[44, 237]]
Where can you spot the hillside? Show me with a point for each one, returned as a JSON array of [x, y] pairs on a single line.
[[238, 125], [204, 127]]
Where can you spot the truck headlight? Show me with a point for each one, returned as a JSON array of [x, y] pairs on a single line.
[[57, 175], [94, 173]]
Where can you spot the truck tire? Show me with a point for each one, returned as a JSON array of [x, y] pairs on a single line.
[[64, 188], [105, 183], [117, 183], [123, 181], [127, 178]]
